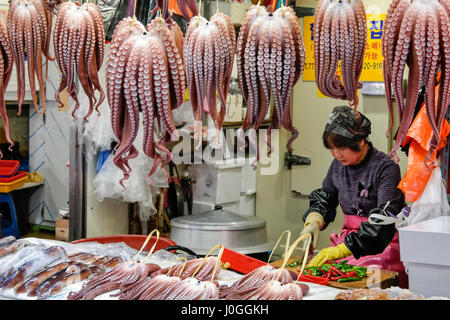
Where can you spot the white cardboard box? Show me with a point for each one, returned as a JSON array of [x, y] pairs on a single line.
[[216, 184], [424, 249]]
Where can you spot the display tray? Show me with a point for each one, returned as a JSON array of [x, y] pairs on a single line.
[[14, 182], [163, 258], [375, 277], [8, 168]]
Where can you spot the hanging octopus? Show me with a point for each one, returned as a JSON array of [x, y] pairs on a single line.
[[209, 50], [29, 26], [184, 5], [340, 32], [416, 34], [270, 59], [79, 42], [6, 65], [145, 74]]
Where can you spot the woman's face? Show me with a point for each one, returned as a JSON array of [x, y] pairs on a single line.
[[347, 156]]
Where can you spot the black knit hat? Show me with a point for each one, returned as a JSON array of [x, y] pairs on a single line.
[[345, 122]]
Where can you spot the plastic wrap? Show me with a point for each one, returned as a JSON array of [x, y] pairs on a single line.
[[107, 8], [432, 203], [106, 183], [96, 133]]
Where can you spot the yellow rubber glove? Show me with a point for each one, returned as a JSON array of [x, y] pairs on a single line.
[[313, 223], [330, 253]]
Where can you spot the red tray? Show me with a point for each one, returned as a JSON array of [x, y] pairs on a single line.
[[8, 168], [19, 175], [240, 262]]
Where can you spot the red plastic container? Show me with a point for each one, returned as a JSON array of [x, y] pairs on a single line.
[[133, 241], [8, 168], [240, 262], [17, 176]]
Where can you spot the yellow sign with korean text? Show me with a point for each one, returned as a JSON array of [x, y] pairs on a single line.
[[373, 59]]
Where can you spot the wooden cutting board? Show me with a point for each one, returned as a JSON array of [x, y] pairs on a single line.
[[375, 278]]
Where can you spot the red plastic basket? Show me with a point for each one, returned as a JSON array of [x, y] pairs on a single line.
[[133, 241], [8, 168]]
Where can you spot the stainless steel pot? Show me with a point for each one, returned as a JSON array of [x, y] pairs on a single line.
[[201, 232]]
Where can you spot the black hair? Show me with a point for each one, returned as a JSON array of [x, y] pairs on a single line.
[[340, 141]]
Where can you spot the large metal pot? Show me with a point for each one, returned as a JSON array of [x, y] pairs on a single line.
[[201, 232]]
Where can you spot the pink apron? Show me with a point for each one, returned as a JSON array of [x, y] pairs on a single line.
[[389, 259]]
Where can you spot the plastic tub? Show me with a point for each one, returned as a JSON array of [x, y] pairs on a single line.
[[18, 176], [8, 168], [15, 182], [133, 241]]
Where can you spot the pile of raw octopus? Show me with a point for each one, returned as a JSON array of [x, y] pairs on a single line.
[[48, 272]]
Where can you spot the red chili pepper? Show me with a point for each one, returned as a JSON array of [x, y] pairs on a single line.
[[337, 277], [323, 271], [351, 274], [337, 271]]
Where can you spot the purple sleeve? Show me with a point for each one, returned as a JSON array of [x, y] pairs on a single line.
[[387, 183], [324, 200]]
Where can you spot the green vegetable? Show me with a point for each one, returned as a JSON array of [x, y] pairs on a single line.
[[342, 266], [349, 279]]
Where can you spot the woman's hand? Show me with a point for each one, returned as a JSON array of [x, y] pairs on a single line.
[[330, 253]]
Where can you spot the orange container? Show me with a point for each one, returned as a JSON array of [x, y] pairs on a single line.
[[14, 182], [132, 240]]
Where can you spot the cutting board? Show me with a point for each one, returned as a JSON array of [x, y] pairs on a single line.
[[375, 278]]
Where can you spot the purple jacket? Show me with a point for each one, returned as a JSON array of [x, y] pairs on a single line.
[[358, 189]]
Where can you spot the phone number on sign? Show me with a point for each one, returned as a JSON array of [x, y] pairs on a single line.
[[373, 66]]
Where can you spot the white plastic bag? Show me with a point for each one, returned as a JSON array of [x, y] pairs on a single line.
[[432, 203]]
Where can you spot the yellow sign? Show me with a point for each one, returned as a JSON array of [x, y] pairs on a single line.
[[373, 59]]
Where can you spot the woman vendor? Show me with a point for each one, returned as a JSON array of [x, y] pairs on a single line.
[[362, 180]]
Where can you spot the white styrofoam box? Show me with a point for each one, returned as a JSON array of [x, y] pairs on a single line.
[[244, 207], [217, 184], [425, 253], [248, 177], [201, 207]]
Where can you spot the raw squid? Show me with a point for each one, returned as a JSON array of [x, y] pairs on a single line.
[[45, 259], [66, 279]]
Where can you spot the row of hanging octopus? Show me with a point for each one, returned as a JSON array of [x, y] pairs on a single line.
[[202, 60], [415, 34], [149, 67]]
